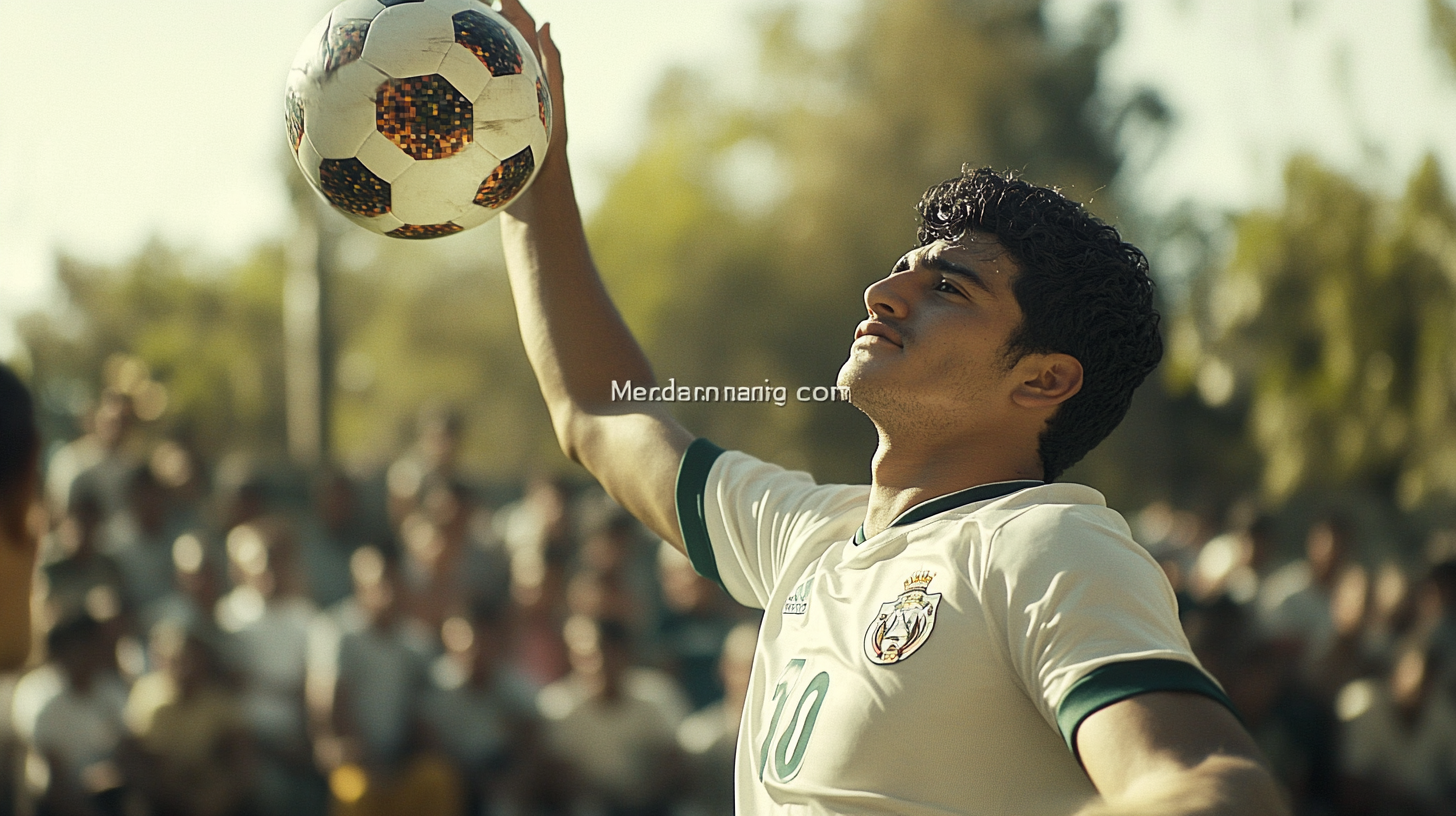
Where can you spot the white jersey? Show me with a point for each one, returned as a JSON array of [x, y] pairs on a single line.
[[944, 664]]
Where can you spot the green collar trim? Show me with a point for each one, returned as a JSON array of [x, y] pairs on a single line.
[[950, 501]]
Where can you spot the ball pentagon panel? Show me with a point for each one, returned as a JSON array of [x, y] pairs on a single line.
[[506, 181], [351, 187], [419, 231], [490, 41], [408, 40], [425, 116]]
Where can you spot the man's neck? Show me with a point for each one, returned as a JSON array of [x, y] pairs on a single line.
[[909, 472]]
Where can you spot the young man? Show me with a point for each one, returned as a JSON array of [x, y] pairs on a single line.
[[960, 636], [19, 487]]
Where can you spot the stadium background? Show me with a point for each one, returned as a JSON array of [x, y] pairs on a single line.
[[747, 169]]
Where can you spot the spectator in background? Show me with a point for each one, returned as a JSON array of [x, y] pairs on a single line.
[[193, 751], [482, 715], [614, 725], [1294, 601], [1398, 755], [139, 538], [368, 667], [75, 564], [19, 488], [433, 460], [329, 537], [100, 455], [609, 584], [446, 572], [79, 730], [694, 626], [268, 617], [709, 737]]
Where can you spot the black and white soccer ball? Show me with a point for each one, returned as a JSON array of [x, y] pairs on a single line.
[[417, 118]]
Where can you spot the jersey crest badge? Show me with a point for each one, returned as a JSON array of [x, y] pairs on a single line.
[[902, 625]]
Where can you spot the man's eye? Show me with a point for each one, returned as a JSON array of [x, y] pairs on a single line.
[[946, 286], [901, 266]]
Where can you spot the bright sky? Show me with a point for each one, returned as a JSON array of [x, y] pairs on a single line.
[[120, 121]]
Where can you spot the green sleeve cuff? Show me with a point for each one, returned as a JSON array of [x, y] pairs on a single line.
[[692, 484], [1115, 682]]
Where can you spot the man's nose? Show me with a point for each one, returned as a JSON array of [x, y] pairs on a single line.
[[890, 296]]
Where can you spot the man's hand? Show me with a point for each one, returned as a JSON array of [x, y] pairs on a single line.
[[550, 59], [1174, 754], [574, 337]]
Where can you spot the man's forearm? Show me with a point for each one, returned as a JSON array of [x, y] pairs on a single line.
[[575, 338], [1219, 786]]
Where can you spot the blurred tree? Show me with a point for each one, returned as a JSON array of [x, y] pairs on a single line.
[[210, 336], [1332, 321], [740, 239]]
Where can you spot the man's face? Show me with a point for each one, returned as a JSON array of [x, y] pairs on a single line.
[[931, 353]]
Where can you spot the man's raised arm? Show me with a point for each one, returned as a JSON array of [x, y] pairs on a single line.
[[575, 338]]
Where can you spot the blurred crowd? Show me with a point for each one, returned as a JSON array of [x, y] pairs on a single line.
[[1341, 660], [233, 640]]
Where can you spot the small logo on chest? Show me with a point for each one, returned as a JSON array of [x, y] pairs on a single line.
[[798, 601], [902, 625]]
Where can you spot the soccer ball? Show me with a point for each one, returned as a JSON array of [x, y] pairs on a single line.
[[417, 118]]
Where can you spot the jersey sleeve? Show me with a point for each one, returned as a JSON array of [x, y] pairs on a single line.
[[1087, 617], [742, 519]]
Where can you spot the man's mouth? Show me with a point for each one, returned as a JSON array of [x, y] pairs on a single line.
[[875, 328]]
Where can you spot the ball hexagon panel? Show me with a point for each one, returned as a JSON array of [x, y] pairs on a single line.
[[510, 97], [489, 40], [383, 157], [357, 10], [307, 53], [464, 71], [425, 230], [409, 39], [506, 138], [357, 78], [382, 224], [433, 192], [425, 116], [398, 2], [506, 181], [474, 217], [309, 160], [453, 6], [349, 185], [338, 123]]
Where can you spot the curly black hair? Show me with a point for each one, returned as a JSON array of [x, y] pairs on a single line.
[[1082, 290], [19, 447]]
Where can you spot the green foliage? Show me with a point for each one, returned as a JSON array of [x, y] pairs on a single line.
[[211, 336], [1443, 25], [1333, 321]]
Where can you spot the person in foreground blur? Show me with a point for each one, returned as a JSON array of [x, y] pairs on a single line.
[[19, 482], [960, 599]]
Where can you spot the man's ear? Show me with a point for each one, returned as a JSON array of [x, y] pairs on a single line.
[[1046, 380]]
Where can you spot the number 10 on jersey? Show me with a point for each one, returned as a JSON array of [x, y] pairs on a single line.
[[787, 751]]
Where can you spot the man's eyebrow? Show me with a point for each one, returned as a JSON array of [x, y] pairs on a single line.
[[940, 263]]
